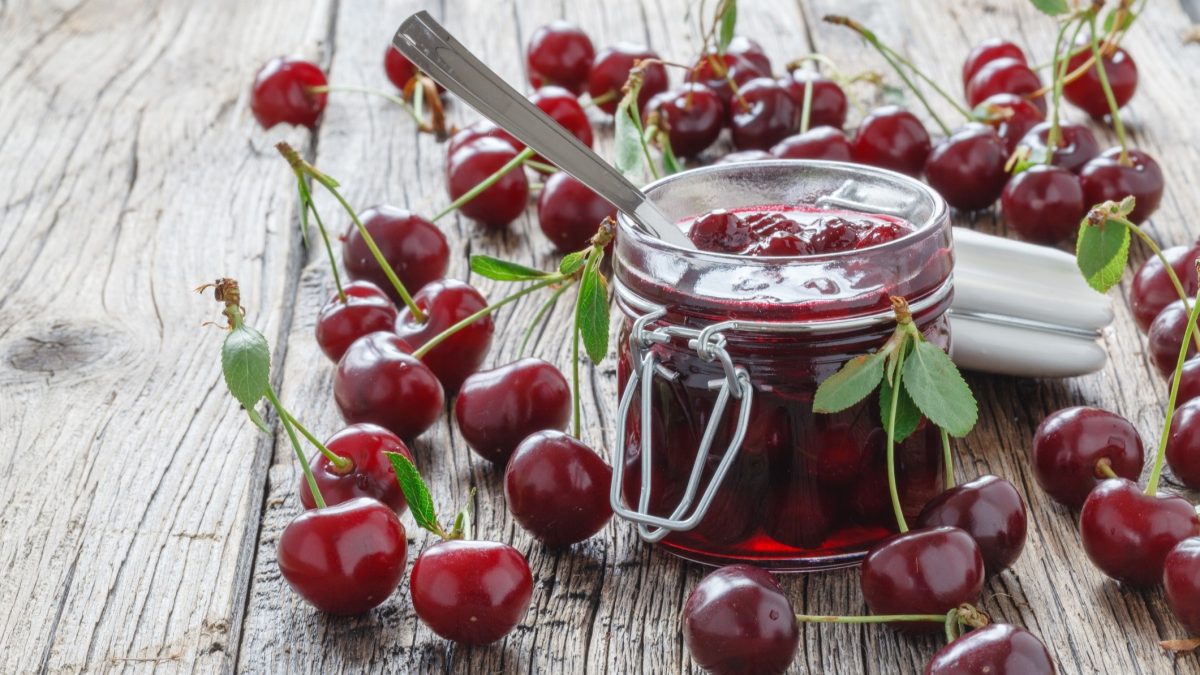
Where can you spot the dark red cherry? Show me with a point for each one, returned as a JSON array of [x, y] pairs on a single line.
[[559, 53], [890, 137], [801, 513], [1004, 75], [445, 303], [479, 129], [569, 213], [737, 68], [1127, 533], [1165, 338], [995, 649], [1106, 178], [750, 50], [281, 93], [738, 620], [370, 473], [378, 381], [1087, 93], [557, 489], [1068, 445], [1044, 204], [497, 409], [1183, 444], [415, 249], [610, 70], [471, 592], [1077, 145], [692, 116], [1152, 289], [764, 115], [721, 231], [829, 103], [838, 456], [816, 143], [562, 107], [501, 203], [365, 310], [744, 156], [1011, 116], [344, 559], [989, 509], [1189, 381], [987, 51], [1181, 582], [967, 168], [400, 70], [925, 571]]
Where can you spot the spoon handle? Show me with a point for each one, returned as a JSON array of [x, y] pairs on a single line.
[[427, 44]]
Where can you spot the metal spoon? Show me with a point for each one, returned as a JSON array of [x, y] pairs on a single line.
[[427, 44]]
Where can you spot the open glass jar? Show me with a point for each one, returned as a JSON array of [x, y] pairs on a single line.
[[720, 455]]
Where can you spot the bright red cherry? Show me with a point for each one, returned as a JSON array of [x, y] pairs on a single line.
[[415, 249], [1004, 75], [987, 51], [1044, 204], [398, 68], [1152, 289], [569, 213], [445, 303], [557, 489], [365, 310], [559, 53], [1106, 178], [1011, 116], [692, 116], [1183, 444], [750, 50], [378, 381], [1181, 582], [995, 649], [816, 143], [497, 409], [764, 115], [967, 168], [471, 592], [370, 473], [1070, 443], [829, 104], [610, 70], [890, 137], [1087, 93], [562, 107], [925, 571], [738, 620], [1077, 145], [989, 509], [281, 93], [344, 559], [1165, 338], [1127, 533], [471, 164]]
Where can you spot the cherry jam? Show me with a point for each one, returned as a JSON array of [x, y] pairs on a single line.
[[789, 231]]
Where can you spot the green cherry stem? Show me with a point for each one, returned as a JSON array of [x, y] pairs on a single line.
[[324, 89], [542, 167], [947, 458], [444, 335], [340, 464], [901, 523], [1102, 72], [1156, 472], [1104, 468], [337, 277], [541, 314], [1060, 73], [291, 432], [576, 407], [1157, 251], [521, 158]]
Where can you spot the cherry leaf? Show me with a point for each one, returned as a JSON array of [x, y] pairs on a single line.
[[591, 310], [503, 270], [572, 262], [939, 390], [851, 384], [627, 137], [416, 493], [1101, 252], [1052, 7], [246, 364], [670, 162], [907, 414], [728, 18], [1111, 18]]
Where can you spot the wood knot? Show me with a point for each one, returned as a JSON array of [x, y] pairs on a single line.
[[59, 347]]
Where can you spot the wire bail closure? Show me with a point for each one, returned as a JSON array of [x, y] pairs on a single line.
[[709, 345]]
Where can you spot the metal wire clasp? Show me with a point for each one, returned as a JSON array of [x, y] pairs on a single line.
[[709, 345]]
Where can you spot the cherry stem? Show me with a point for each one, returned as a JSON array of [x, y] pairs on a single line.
[[521, 158], [1156, 472], [340, 464], [1060, 73], [375, 92], [291, 432], [576, 407], [1104, 468], [901, 523], [806, 108], [538, 319], [1154, 248], [1102, 72], [337, 277], [600, 100], [541, 166], [947, 458]]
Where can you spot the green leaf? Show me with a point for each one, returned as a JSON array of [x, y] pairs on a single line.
[[627, 139], [728, 24], [503, 270], [939, 390], [907, 414], [246, 363], [1101, 252], [571, 262], [670, 162], [416, 493], [857, 378], [1111, 17], [591, 310], [1052, 7]]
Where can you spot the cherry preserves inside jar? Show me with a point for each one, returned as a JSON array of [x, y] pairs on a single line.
[[804, 490]]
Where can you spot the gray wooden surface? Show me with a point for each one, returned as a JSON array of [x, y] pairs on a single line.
[[139, 511]]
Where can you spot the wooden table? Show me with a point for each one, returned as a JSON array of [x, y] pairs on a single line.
[[139, 510]]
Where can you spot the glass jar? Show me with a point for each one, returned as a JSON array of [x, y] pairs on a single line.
[[720, 355]]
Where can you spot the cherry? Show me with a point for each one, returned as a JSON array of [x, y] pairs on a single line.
[[1011, 116], [744, 156], [1165, 337], [479, 129], [890, 137], [1106, 178], [989, 509], [400, 70], [829, 104], [344, 559], [1004, 75], [281, 93], [1181, 582], [379, 381], [415, 249], [751, 51], [1183, 444], [1087, 93], [738, 620], [737, 68], [768, 115], [1127, 533], [370, 473], [816, 143], [497, 409], [1070, 443], [720, 230], [838, 455], [1077, 145], [557, 489], [987, 51], [1189, 381], [445, 303], [471, 592], [1044, 204], [967, 168], [365, 310], [610, 70], [801, 514], [562, 106], [995, 649], [1152, 289], [499, 204], [925, 571], [569, 213], [692, 116], [559, 53]]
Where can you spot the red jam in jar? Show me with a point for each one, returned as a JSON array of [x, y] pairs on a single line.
[[804, 490]]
